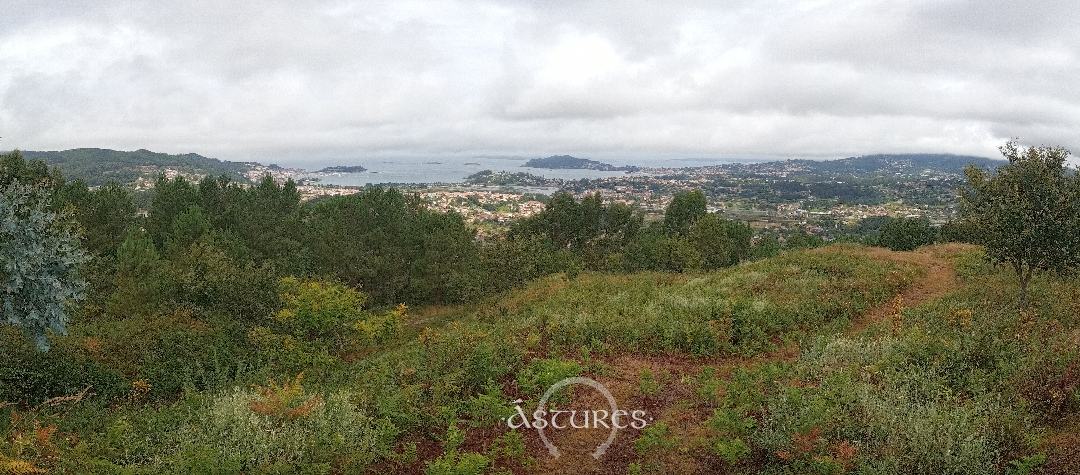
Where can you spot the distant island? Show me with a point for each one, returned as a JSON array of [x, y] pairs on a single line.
[[343, 169], [566, 162]]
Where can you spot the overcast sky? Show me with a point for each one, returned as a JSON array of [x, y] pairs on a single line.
[[287, 80]]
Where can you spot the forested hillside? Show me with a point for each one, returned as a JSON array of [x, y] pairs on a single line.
[[900, 163], [97, 166]]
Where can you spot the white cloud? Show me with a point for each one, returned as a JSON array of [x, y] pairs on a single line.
[[287, 79]]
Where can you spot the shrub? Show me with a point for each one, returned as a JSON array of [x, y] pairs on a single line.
[[656, 437], [1051, 388], [39, 262], [312, 309], [454, 463], [906, 234], [28, 376], [509, 450], [287, 428], [541, 373], [648, 385], [206, 278], [490, 408]]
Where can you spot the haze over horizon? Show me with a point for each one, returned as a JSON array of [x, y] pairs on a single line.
[[275, 81]]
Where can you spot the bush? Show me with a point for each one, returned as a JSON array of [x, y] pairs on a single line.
[[653, 439], [28, 376], [490, 408], [283, 427], [542, 373], [906, 234], [312, 309], [454, 463], [204, 277]]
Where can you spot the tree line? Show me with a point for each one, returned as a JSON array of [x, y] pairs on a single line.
[[221, 247]]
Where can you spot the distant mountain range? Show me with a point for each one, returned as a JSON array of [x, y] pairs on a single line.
[[557, 162], [97, 166], [865, 166], [945, 163]]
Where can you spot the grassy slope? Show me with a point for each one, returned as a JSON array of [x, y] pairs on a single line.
[[843, 359], [742, 314]]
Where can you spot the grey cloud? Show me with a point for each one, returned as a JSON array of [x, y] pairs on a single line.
[[272, 79]]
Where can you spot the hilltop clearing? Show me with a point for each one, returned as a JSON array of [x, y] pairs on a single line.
[[843, 359]]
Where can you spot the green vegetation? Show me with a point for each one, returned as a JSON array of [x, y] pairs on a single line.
[[906, 234], [502, 178], [614, 237], [39, 259], [566, 161], [96, 166], [958, 385], [1028, 213], [234, 329]]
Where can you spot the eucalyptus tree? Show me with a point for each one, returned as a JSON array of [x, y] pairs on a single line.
[[39, 263]]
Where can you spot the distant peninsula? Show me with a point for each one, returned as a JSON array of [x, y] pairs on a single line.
[[566, 162], [343, 169]]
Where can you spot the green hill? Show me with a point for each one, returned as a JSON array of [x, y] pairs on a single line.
[[944, 163], [843, 359], [97, 166]]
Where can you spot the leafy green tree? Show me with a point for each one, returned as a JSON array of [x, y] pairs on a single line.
[[39, 262], [205, 278], [685, 208], [14, 168], [138, 286], [906, 234], [445, 265], [1027, 213], [656, 250], [510, 263], [591, 230], [104, 215], [393, 248], [265, 222], [187, 228], [766, 245], [957, 230], [720, 242], [171, 198], [802, 240], [867, 230]]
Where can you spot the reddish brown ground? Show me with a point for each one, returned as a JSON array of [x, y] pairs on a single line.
[[939, 279], [677, 405], [1062, 449]]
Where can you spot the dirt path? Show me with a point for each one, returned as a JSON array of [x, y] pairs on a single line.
[[675, 400], [674, 403], [940, 279]]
